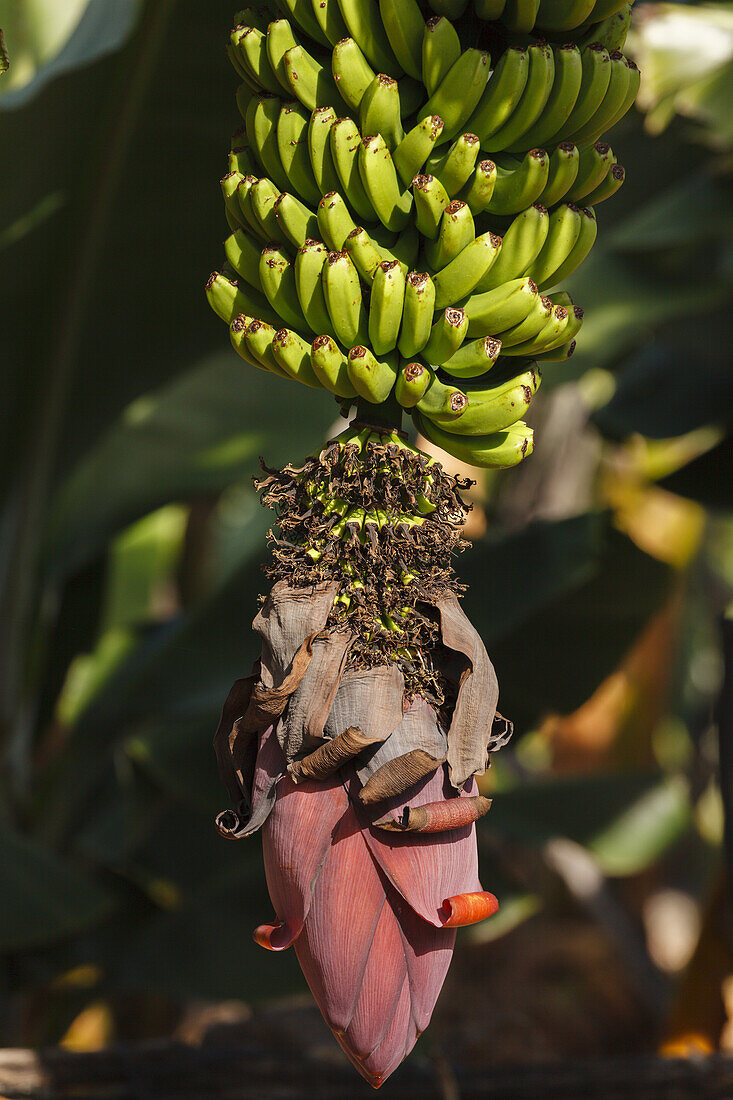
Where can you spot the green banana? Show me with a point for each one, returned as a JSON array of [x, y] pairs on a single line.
[[568, 76], [609, 186], [595, 164], [250, 46], [334, 220], [351, 71], [521, 244], [581, 248], [473, 358], [501, 450], [412, 95], [502, 95], [441, 400], [431, 199], [292, 353], [412, 381], [236, 335], [611, 31], [310, 82], [241, 160], [446, 336], [563, 15], [630, 97], [417, 314], [330, 20], [611, 104], [457, 229], [366, 28], [262, 119], [330, 366], [319, 149], [364, 253], [563, 170], [248, 219], [302, 12], [596, 76], [459, 93], [496, 310], [557, 355], [441, 48], [562, 233], [240, 69], [345, 143], [229, 188], [280, 39], [519, 16], [479, 189], [309, 263], [404, 249], [535, 320], [372, 378], [456, 167], [490, 408], [243, 96], [292, 147], [489, 10], [258, 337], [385, 307], [243, 254], [470, 267], [342, 290], [227, 298], [379, 111], [297, 222], [531, 103], [383, 187], [416, 146], [263, 194], [277, 276], [404, 24], [550, 336], [517, 188]]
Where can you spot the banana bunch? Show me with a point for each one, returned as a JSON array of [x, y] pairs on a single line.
[[376, 250]]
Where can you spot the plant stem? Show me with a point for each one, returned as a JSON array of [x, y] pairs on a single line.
[[387, 415]]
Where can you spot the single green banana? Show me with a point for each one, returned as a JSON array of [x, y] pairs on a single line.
[[297, 222], [557, 355], [240, 69], [575, 318], [581, 248], [535, 320], [310, 82], [280, 39], [243, 253], [342, 289], [352, 72], [258, 337], [595, 164], [242, 160], [263, 194], [365, 27], [502, 95], [302, 13], [416, 146], [459, 93], [441, 400], [456, 167], [365, 254], [345, 144], [519, 16], [532, 101], [596, 65], [478, 191], [380, 111], [431, 199], [250, 46], [236, 335], [319, 149], [309, 263], [330, 366], [229, 187], [562, 233], [227, 298], [334, 220], [457, 229], [391, 202], [254, 17], [563, 96], [446, 336], [550, 336], [292, 147], [248, 219], [630, 97], [496, 310], [494, 407], [293, 354], [277, 275], [612, 30], [562, 172], [263, 115], [470, 268], [604, 8], [500, 451], [404, 24], [417, 314], [517, 188], [473, 358], [372, 378], [612, 103], [521, 244], [441, 48], [330, 20], [385, 306], [412, 381], [608, 187], [563, 15]]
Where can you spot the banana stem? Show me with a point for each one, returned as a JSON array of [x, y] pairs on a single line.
[[387, 415]]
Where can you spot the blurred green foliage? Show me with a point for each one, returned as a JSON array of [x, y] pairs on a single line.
[[131, 540]]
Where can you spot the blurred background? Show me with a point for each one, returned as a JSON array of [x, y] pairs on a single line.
[[131, 545]]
